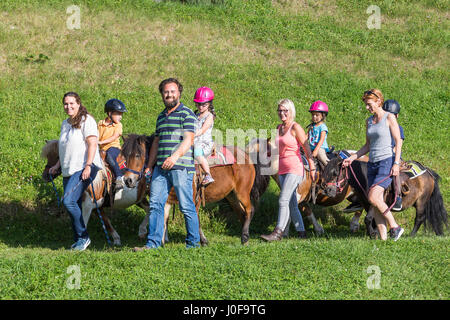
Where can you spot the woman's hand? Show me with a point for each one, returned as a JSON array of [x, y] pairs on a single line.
[[86, 172], [349, 160], [395, 170], [53, 170]]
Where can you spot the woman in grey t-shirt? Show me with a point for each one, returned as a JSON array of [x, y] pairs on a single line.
[[382, 162]]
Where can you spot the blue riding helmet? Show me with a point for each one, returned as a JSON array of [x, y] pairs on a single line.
[[115, 105], [391, 106]]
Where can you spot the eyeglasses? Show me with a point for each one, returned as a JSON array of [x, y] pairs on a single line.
[[371, 92], [283, 111]]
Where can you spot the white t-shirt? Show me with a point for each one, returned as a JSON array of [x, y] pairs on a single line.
[[73, 146]]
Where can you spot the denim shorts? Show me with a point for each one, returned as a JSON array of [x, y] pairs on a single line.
[[377, 171]]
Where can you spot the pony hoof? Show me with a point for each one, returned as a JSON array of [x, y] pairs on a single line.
[[204, 243], [117, 243], [142, 236]]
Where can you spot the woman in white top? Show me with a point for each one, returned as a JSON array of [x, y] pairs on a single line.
[[79, 160]]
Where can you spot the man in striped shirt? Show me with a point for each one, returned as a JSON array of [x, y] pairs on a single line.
[[172, 151]]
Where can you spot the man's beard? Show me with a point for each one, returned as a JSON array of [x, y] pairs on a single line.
[[171, 104]]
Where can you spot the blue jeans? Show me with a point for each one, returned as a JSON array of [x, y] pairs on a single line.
[[162, 182], [288, 202], [111, 158], [73, 192]]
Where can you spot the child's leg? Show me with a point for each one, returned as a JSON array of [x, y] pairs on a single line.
[[322, 156], [203, 163], [111, 156]]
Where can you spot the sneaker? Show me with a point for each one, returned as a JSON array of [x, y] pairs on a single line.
[[144, 248], [353, 207], [396, 233], [207, 180], [398, 204], [119, 183], [81, 244]]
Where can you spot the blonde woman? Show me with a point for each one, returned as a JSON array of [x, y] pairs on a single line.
[[383, 164], [290, 138]]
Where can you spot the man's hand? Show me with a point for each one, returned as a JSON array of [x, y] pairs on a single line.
[[169, 162]]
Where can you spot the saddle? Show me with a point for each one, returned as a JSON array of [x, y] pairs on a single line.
[[221, 156]]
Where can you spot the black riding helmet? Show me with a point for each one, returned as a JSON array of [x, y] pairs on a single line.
[[391, 106], [115, 105]]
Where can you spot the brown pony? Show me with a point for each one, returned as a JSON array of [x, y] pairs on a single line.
[[102, 185], [421, 192], [239, 183]]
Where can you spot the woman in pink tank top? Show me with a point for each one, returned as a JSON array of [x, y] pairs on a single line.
[[290, 138]]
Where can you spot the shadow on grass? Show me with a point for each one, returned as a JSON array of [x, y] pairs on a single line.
[[44, 225]]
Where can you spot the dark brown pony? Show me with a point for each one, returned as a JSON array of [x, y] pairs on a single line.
[[102, 185], [239, 183], [422, 192]]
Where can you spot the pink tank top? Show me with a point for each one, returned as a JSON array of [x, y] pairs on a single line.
[[289, 151]]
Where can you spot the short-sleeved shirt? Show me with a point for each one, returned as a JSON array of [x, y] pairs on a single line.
[[170, 130], [402, 136], [314, 136], [73, 147], [106, 131]]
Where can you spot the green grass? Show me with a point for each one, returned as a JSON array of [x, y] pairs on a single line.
[[252, 53]]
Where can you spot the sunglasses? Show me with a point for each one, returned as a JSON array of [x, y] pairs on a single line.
[[371, 92]]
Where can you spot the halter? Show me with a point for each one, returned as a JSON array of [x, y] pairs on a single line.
[[340, 182], [140, 174]]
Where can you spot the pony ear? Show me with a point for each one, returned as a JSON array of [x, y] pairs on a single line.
[[46, 141]]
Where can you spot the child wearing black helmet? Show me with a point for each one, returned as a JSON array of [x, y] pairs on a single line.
[[393, 107], [109, 132]]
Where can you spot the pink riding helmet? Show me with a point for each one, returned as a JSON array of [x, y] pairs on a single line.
[[318, 106], [203, 94]]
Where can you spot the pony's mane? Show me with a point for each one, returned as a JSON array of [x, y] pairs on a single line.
[[132, 145], [50, 149]]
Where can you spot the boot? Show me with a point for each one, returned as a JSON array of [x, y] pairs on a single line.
[[276, 235], [302, 234]]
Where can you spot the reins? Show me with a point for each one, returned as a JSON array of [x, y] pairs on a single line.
[[366, 194], [98, 212]]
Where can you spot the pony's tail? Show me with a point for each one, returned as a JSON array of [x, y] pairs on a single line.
[[260, 185], [435, 213]]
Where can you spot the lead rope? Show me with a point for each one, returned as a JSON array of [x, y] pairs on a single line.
[[366, 194]]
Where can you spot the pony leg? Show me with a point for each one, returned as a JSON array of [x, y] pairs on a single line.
[[110, 228], [354, 224], [245, 211], [143, 227], [419, 219], [167, 207], [142, 233], [318, 229]]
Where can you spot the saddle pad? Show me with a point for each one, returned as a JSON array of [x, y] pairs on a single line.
[[414, 169], [223, 156]]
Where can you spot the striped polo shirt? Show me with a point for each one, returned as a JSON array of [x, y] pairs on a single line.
[[170, 129]]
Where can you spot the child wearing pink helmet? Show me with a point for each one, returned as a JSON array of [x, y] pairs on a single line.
[[318, 131], [203, 142]]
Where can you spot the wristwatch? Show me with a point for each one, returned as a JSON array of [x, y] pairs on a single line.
[[396, 162]]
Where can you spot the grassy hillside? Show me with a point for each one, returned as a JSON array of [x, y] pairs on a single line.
[[252, 53]]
